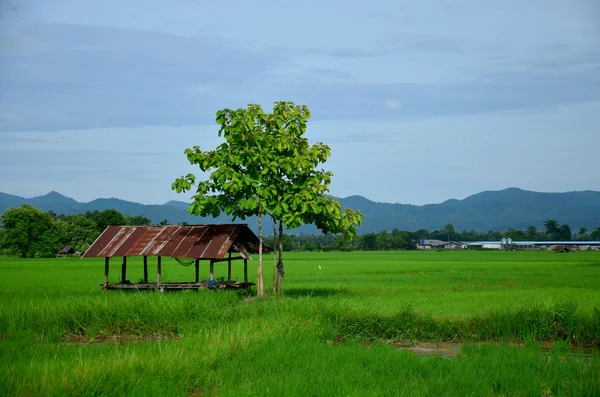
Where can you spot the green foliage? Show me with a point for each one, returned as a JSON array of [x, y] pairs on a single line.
[[103, 219], [266, 165], [137, 220], [552, 229], [29, 230]]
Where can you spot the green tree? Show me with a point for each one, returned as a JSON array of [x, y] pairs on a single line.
[[295, 188], [449, 231], [595, 235], [82, 232], [137, 220], [552, 229], [109, 217], [532, 233], [236, 185], [383, 241], [564, 233], [516, 234], [266, 167], [582, 233], [367, 242], [28, 230]]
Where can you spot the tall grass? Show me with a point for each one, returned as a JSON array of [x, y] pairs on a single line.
[[328, 335]]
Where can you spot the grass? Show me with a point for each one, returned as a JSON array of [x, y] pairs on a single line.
[[329, 335]]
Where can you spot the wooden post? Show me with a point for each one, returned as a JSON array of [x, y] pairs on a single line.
[[106, 260], [197, 270], [212, 270], [229, 267], [145, 270], [124, 270], [158, 271], [245, 270]]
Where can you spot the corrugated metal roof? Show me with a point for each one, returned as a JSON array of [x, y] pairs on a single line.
[[190, 241], [66, 250]]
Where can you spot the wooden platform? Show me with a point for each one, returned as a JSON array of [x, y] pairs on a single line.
[[176, 286]]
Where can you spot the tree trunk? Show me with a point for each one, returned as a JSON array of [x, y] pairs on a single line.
[[260, 285], [280, 262], [274, 256]]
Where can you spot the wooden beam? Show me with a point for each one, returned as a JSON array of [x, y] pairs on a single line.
[[212, 269], [158, 267], [106, 260], [145, 269], [124, 270], [237, 258], [197, 270], [245, 270], [229, 268]]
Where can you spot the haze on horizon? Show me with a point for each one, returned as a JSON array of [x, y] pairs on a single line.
[[420, 101]]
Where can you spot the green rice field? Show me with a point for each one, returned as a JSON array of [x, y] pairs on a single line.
[[518, 323]]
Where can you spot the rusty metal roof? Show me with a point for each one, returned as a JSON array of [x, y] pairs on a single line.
[[190, 241], [66, 250]]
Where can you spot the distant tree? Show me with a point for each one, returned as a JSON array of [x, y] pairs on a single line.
[[28, 230], [532, 233], [137, 220], [516, 234], [383, 241], [109, 217], [582, 234], [449, 231], [422, 234], [552, 229], [564, 233], [595, 235], [164, 222], [82, 232], [367, 242]]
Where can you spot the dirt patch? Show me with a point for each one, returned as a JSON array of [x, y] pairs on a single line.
[[443, 349], [451, 349], [114, 339]]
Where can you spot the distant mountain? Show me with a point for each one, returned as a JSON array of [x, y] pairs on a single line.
[[490, 210]]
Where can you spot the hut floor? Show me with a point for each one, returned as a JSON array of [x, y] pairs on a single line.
[[176, 286]]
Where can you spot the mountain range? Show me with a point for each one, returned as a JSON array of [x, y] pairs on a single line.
[[489, 210]]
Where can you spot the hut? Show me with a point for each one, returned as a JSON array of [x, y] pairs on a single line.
[[194, 243], [65, 251]]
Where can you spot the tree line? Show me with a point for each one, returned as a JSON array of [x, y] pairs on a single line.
[[29, 232], [404, 240]]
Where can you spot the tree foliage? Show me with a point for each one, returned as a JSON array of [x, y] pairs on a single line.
[[266, 166], [28, 230]]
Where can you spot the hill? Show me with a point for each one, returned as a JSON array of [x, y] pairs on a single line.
[[489, 210]]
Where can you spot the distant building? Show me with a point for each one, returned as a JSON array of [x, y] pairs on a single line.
[[533, 245], [439, 244], [430, 244], [454, 245], [65, 251]]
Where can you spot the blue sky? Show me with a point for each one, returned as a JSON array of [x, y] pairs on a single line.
[[419, 101]]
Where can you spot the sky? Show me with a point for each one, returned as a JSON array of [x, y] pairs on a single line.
[[420, 102]]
